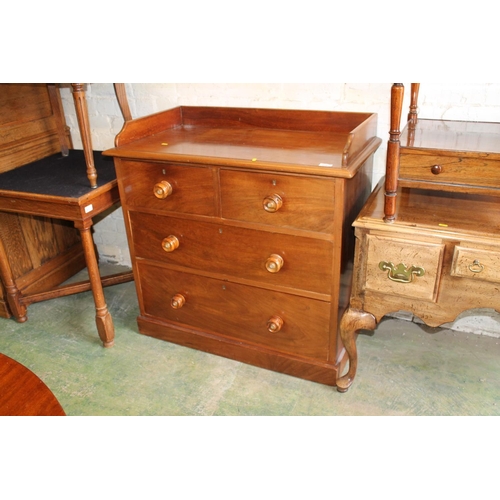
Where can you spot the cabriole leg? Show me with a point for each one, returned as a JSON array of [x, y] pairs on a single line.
[[352, 321]]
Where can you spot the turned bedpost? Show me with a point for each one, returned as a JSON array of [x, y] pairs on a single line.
[[83, 124], [392, 163]]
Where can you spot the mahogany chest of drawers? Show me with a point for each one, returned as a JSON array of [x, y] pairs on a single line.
[[239, 227]]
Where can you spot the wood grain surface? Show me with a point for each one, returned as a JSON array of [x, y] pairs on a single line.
[[22, 393]]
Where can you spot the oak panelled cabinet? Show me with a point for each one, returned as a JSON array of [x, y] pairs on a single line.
[[43, 251], [49, 197], [239, 226], [428, 238]]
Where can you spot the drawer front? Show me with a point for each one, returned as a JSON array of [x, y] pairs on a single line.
[[276, 259], [403, 267], [476, 263], [281, 200], [450, 169], [275, 320], [167, 188]]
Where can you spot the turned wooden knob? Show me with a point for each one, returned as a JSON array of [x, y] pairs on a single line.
[[274, 263], [162, 189], [177, 301], [272, 203], [275, 324], [436, 169], [170, 243]]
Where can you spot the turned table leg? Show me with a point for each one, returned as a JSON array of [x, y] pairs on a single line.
[[104, 321], [352, 321]]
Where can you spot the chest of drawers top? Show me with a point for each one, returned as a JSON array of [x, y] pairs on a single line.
[[333, 144]]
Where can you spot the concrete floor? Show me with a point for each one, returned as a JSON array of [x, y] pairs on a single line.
[[404, 369]]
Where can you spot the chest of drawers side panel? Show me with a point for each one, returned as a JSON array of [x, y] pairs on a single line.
[[351, 194]]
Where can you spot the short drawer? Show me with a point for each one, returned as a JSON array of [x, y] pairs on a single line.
[[276, 259], [280, 200], [278, 321], [476, 263], [167, 188], [450, 169], [403, 267]]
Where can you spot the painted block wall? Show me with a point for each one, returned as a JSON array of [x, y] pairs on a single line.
[[476, 102]]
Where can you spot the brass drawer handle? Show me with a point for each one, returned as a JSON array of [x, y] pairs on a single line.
[[275, 324], [170, 243], [401, 273], [162, 189], [436, 169], [272, 203], [476, 267], [177, 301], [274, 263]]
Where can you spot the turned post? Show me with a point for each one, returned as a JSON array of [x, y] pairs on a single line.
[[413, 113], [83, 123], [393, 146]]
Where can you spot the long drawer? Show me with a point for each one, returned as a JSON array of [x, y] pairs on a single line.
[[451, 169], [276, 259], [280, 200], [166, 187], [280, 321]]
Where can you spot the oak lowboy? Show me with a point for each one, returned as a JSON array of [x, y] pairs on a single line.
[[439, 258], [429, 242], [239, 227]]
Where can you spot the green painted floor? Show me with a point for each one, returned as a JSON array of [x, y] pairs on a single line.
[[403, 369]]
